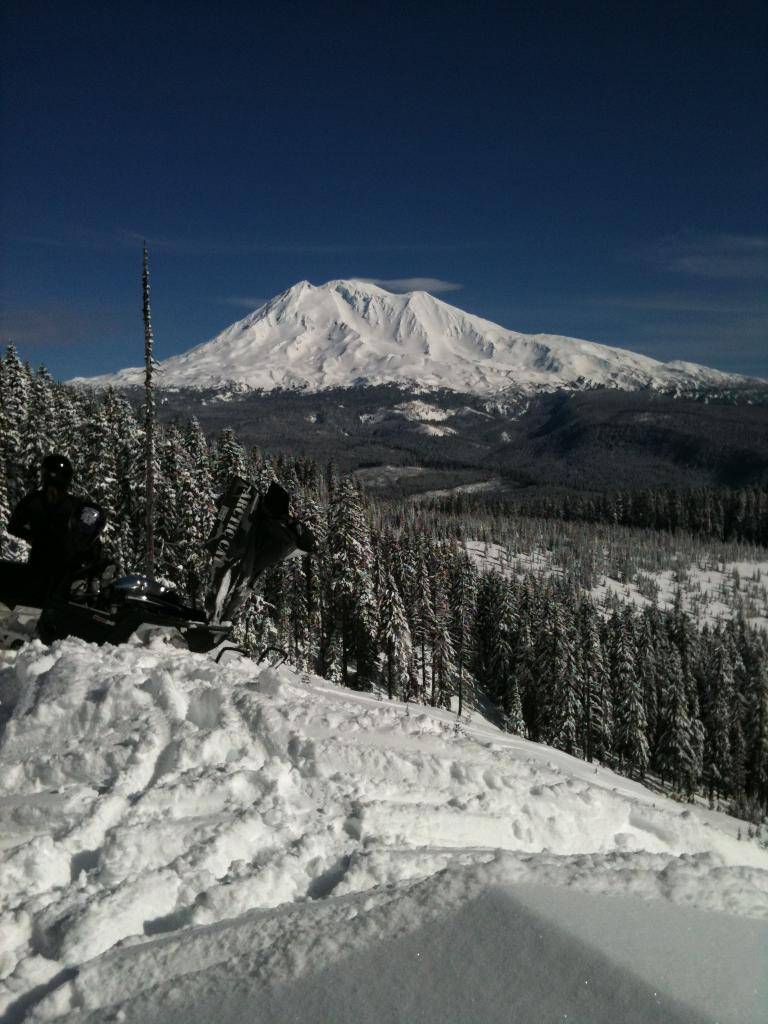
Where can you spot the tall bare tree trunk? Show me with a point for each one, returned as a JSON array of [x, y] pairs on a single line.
[[149, 420]]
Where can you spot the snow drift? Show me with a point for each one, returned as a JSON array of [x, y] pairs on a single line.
[[183, 841], [346, 333]]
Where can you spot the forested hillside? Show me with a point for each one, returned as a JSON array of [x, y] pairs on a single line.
[[392, 601], [740, 514]]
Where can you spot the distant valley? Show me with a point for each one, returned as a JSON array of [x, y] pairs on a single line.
[[400, 442]]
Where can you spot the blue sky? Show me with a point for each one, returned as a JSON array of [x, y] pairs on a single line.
[[590, 169]]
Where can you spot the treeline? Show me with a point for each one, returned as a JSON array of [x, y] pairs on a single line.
[[727, 515], [392, 600]]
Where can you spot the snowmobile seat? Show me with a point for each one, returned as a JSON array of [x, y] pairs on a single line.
[[112, 614]]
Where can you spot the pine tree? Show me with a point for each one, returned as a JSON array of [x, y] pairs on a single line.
[[757, 734], [404, 567], [40, 437], [677, 755], [630, 741], [173, 493], [717, 721], [527, 680], [194, 506], [597, 714], [11, 548], [98, 476], [647, 672], [149, 422], [254, 629], [559, 669], [463, 593], [395, 639], [314, 574], [14, 403], [229, 460], [503, 682], [443, 657], [351, 586], [125, 539], [488, 597], [296, 611], [424, 615], [69, 409]]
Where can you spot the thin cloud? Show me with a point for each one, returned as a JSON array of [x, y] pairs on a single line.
[[414, 284], [723, 256]]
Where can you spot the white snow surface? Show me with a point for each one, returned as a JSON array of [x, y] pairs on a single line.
[[187, 842], [346, 333]]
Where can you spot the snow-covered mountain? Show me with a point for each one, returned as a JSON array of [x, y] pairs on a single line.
[[346, 333], [182, 841]]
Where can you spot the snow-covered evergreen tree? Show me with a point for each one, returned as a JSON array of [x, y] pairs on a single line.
[[597, 710], [173, 489], [124, 541], [526, 679], [351, 584], [98, 473], [503, 678], [443, 656], [718, 715], [462, 596], [648, 672], [14, 402], [560, 673], [11, 548], [677, 756], [229, 460], [395, 639], [423, 616], [757, 733], [41, 438], [630, 738]]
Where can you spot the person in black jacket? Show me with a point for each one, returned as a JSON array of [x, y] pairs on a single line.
[[61, 529]]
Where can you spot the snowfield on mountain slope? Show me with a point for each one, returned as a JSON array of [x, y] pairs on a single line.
[[183, 841], [345, 333]]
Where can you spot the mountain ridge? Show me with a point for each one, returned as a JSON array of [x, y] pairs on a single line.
[[348, 333]]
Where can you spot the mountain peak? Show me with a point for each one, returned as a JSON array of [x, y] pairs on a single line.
[[352, 331], [355, 284]]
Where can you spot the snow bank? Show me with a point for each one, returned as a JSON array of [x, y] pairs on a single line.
[[193, 842]]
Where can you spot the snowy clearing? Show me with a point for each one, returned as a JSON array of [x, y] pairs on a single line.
[[190, 842], [709, 596], [478, 487]]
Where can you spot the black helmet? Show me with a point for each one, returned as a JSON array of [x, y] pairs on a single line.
[[56, 471]]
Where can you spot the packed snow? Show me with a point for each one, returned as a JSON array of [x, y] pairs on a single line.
[[190, 842], [346, 333]]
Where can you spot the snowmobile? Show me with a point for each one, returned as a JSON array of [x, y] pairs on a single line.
[[251, 533]]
